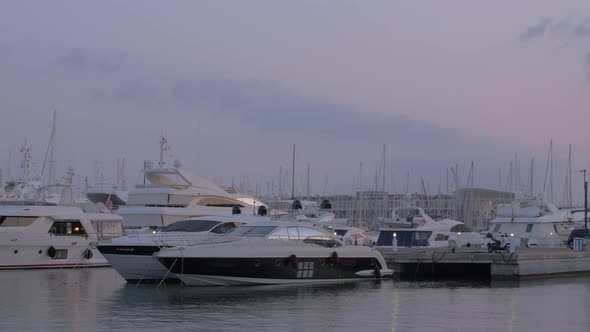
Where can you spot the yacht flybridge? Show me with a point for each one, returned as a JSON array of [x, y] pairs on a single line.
[[169, 194]]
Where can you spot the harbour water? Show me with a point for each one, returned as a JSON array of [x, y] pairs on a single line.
[[99, 300]]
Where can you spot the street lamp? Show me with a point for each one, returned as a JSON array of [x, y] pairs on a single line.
[[585, 204]]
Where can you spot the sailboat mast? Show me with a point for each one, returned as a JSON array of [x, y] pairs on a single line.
[[293, 175], [308, 170], [570, 177], [49, 153], [384, 192]]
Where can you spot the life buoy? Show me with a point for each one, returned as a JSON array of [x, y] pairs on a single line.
[[87, 254], [51, 252], [377, 272]]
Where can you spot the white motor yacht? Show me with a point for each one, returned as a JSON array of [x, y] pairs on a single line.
[[107, 194], [131, 255], [170, 194], [538, 221], [273, 253], [431, 233], [54, 236]]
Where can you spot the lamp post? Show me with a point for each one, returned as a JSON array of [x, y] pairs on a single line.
[[585, 204]]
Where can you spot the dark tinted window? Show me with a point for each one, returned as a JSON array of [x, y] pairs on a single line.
[[578, 233], [340, 232], [254, 231], [225, 227], [529, 228], [323, 241], [191, 226], [67, 228]]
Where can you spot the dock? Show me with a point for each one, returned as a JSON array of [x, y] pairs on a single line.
[[478, 263]]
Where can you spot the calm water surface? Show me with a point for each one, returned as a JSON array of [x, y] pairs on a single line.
[[99, 300]]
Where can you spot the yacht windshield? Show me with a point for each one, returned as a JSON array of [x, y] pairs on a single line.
[[253, 231], [340, 232], [191, 226]]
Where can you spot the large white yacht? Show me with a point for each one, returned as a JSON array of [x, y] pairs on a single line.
[[42, 227], [535, 219], [33, 236], [169, 194], [132, 255], [273, 253]]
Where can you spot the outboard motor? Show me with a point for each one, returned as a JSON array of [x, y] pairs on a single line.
[[262, 210], [236, 210], [325, 205], [296, 205]]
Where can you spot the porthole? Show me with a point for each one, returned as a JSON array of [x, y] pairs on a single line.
[[372, 263], [277, 263], [257, 263], [40, 251], [322, 262], [16, 251]]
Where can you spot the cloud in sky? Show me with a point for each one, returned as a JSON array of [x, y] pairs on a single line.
[[274, 111], [568, 25], [76, 59], [270, 108], [135, 92], [436, 84], [83, 58], [535, 31], [582, 29]]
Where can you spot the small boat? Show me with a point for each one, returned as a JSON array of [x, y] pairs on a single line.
[[432, 234], [131, 255], [273, 253]]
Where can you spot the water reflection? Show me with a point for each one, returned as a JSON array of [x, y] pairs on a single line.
[[99, 300], [302, 307]]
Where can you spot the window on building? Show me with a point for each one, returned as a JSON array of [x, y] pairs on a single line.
[[529, 228]]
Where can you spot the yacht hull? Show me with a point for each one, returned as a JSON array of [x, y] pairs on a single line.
[[135, 262], [217, 271], [36, 257]]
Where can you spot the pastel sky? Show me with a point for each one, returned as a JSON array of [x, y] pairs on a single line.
[[234, 84]]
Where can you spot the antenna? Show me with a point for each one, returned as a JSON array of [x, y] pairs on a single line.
[[162, 149]]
